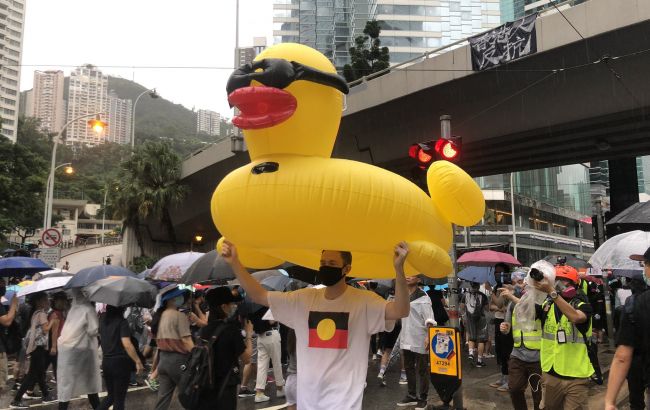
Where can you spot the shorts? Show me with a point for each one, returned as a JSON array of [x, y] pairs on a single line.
[[387, 339], [477, 329], [254, 353], [4, 371], [290, 388]]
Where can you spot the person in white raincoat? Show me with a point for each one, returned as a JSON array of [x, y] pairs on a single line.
[[78, 369]]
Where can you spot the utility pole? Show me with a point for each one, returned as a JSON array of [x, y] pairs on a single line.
[[452, 278]]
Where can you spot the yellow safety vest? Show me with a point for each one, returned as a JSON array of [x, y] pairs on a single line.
[[568, 359], [584, 286], [530, 340]]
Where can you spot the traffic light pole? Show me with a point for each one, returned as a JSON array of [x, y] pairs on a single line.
[[452, 279]]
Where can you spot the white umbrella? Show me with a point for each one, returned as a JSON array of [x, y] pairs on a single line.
[[172, 267], [43, 285], [615, 252]]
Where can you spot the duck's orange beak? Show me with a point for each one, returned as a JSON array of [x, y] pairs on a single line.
[[261, 106]]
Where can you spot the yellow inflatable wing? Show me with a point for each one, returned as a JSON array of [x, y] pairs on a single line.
[[293, 200]]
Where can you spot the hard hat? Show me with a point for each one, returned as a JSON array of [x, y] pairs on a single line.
[[566, 272]]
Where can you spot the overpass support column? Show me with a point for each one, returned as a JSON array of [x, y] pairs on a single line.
[[623, 186]]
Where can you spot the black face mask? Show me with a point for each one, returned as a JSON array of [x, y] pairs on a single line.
[[329, 275]]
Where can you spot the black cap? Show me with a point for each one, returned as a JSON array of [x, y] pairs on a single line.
[[220, 296], [644, 257]]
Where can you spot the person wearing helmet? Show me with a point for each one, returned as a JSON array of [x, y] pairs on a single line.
[[566, 329]]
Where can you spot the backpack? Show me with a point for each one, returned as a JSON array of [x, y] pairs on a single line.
[[10, 338], [197, 373]]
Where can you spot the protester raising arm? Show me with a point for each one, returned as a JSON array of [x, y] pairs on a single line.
[[252, 287], [399, 307]]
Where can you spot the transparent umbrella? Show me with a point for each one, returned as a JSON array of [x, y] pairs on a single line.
[[615, 252]]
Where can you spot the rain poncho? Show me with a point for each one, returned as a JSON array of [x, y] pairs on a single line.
[[524, 312], [78, 361]]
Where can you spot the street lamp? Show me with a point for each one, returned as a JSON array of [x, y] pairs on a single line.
[[153, 94], [198, 239], [98, 126], [68, 170]]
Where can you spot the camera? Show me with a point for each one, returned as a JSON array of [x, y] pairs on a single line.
[[536, 274], [561, 260]]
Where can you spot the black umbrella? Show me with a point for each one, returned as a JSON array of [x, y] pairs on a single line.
[[210, 267], [306, 275], [87, 276], [282, 283], [248, 307], [122, 291]]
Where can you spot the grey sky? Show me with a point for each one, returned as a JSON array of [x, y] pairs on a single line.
[[161, 33]]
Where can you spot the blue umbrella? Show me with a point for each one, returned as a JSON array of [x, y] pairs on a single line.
[[90, 275], [479, 274], [19, 266], [441, 287]]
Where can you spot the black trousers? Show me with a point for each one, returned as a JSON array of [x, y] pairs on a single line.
[[502, 346], [117, 373], [417, 363], [36, 374], [636, 384]]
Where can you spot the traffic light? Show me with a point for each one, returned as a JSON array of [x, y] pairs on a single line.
[[427, 152]]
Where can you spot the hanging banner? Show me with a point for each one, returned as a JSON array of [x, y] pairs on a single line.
[[504, 44], [444, 353]]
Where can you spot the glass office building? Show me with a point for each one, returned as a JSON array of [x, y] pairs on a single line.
[[516, 9]]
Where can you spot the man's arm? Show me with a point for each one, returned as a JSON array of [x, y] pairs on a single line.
[[6, 320], [252, 287], [617, 374], [399, 307]]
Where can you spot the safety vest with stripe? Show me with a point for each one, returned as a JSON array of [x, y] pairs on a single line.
[[568, 359], [531, 340], [584, 286]]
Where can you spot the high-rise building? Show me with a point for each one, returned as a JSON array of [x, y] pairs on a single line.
[[47, 103], [119, 119], [245, 55], [87, 94], [516, 9], [26, 105], [208, 122], [12, 19], [329, 26], [410, 29]]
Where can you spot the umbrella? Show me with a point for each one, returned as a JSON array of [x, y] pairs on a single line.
[[263, 274], [487, 258], [19, 266], [46, 284], [50, 273], [479, 274], [628, 273], [172, 267], [209, 267], [25, 283], [248, 307], [122, 291], [301, 273], [282, 283], [615, 252], [570, 261], [92, 274]]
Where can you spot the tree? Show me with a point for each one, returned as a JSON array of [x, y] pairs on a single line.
[[22, 189], [149, 185], [367, 56]]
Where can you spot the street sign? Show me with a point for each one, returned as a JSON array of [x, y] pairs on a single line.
[[51, 256], [445, 351], [51, 237]]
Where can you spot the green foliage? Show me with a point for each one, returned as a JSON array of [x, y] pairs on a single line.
[[141, 263], [367, 56], [148, 184], [23, 175]]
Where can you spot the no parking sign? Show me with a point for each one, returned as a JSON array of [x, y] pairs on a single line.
[[51, 237]]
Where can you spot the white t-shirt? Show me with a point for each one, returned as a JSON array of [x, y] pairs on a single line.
[[332, 339]]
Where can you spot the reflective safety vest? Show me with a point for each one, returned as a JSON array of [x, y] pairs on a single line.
[[530, 340], [584, 286], [568, 359]]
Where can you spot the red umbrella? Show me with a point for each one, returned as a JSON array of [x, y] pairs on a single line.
[[487, 258]]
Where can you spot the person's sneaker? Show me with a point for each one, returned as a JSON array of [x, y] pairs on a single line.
[[471, 358], [18, 404], [29, 395], [261, 398], [16, 386], [488, 356], [49, 399], [403, 379], [382, 381], [279, 393], [245, 391], [152, 383], [497, 383], [422, 405], [504, 387], [407, 401], [480, 363]]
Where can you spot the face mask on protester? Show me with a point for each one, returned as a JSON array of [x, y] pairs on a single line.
[[179, 301], [329, 275], [518, 290], [232, 312]]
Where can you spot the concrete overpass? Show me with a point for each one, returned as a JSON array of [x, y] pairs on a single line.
[[563, 105]]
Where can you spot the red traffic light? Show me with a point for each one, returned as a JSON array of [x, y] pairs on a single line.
[[448, 149], [423, 153]]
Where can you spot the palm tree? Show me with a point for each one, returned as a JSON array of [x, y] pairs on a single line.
[[149, 184]]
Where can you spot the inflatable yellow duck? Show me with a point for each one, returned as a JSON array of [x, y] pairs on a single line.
[[293, 200]]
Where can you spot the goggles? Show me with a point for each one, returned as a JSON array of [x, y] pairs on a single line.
[[280, 73]]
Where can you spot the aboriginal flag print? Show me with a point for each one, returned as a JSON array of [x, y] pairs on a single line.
[[328, 330]]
